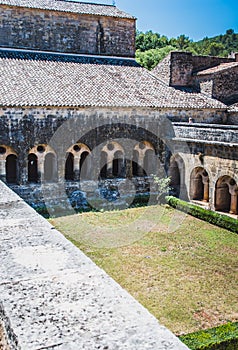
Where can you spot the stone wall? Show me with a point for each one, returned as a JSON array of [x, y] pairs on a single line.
[[25, 128], [218, 133], [219, 160], [56, 131], [232, 118], [205, 62], [222, 86], [66, 32], [182, 66]]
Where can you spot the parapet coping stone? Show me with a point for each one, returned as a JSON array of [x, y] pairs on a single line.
[[54, 297]]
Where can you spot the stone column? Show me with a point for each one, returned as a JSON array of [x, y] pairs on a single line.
[[3, 170], [141, 165], [233, 208], [76, 168], [41, 170], [206, 191]]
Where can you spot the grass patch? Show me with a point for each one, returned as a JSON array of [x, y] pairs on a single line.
[[182, 269]]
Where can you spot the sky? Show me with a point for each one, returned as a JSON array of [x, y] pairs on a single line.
[[194, 18]]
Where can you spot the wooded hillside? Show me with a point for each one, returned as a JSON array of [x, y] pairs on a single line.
[[151, 47]]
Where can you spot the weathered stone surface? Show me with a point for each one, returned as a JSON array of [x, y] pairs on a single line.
[[53, 296], [84, 33]]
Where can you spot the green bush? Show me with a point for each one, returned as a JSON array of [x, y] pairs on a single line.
[[212, 217], [224, 337]]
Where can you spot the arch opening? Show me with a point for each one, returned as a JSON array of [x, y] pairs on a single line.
[[199, 185], [69, 167], [32, 168], [11, 169], [226, 198]]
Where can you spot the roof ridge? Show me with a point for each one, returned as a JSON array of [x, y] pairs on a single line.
[[80, 7], [86, 3]]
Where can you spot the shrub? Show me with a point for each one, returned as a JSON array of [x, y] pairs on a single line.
[[212, 217], [224, 337]]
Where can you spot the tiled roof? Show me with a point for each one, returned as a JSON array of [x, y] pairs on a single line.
[[162, 70], [218, 69], [43, 79], [233, 108], [70, 6]]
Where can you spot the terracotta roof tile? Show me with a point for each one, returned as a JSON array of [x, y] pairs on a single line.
[[70, 6], [44, 79], [218, 69]]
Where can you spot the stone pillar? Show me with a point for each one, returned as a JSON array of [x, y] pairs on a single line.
[[76, 168], [41, 170], [141, 165], [109, 168], [128, 168], [3, 170], [233, 208], [206, 191]]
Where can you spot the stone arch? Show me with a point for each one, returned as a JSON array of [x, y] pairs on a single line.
[[176, 172], [112, 162], [39, 163], [199, 185], [8, 164], [78, 162], [144, 159], [226, 191]]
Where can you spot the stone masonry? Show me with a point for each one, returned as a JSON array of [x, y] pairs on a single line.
[[66, 32]]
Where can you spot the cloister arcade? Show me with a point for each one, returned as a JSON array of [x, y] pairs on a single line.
[[220, 192]]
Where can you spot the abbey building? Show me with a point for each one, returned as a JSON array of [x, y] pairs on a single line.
[[71, 64]]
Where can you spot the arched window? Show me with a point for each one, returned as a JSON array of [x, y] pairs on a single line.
[[144, 159], [117, 164], [199, 185], [69, 167], [32, 168], [103, 165], [84, 165], [226, 195], [50, 167], [11, 168]]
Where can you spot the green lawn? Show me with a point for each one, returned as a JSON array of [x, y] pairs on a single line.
[[184, 270]]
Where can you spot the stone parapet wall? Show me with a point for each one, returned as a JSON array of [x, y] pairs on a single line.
[[204, 62], [36, 29], [222, 86], [217, 133], [232, 118], [55, 297]]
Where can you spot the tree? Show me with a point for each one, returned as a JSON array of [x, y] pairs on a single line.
[[149, 40], [182, 42], [150, 58], [153, 47]]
